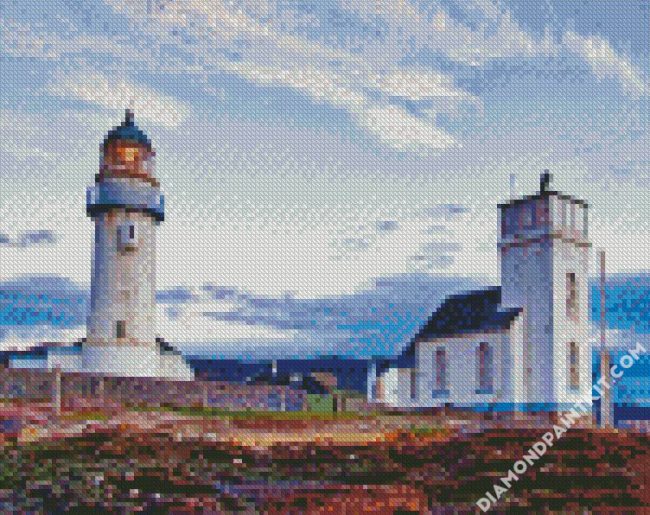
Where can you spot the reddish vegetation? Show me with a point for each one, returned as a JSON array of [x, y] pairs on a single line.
[[350, 499], [410, 471]]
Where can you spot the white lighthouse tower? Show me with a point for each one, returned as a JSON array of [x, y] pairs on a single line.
[[544, 254], [126, 206]]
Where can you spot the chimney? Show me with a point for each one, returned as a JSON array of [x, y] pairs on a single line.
[[545, 181]]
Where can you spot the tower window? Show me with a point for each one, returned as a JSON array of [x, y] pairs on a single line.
[[526, 216], [484, 365], [574, 366], [530, 215], [511, 221], [572, 306], [563, 213], [120, 329], [127, 235], [542, 214]]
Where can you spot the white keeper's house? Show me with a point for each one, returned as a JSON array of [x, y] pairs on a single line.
[[523, 346]]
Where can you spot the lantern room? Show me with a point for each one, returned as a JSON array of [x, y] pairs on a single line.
[[127, 153]]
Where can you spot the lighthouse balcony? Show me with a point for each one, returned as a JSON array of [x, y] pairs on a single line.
[[126, 195]]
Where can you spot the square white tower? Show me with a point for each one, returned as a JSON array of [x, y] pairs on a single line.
[[544, 256]]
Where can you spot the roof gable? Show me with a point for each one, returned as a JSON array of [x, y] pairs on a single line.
[[473, 312], [476, 311]]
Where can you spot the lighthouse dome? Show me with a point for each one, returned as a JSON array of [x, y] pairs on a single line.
[[128, 131]]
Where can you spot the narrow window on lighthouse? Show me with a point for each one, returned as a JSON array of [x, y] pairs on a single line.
[[127, 236], [571, 296], [120, 329], [574, 366]]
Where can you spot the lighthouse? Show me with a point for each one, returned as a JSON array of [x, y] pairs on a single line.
[[521, 346], [126, 206]]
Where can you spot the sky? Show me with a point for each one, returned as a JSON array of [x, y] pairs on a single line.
[[313, 151]]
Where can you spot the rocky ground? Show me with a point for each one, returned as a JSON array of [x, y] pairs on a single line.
[[161, 461]]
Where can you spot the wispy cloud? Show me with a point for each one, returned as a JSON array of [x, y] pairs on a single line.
[[418, 85], [18, 40], [484, 31], [24, 40], [28, 239], [296, 104], [222, 38], [445, 211], [387, 225], [23, 152], [361, 75], [605, 62], [442, 246], [430, 263], [436, 255], [376, 320], [117, 94]]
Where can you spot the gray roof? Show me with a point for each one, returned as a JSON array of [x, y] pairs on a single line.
[[477, 311]]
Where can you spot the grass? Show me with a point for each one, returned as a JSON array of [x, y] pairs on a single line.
[[428, 431], [252, 414], [79, 416]]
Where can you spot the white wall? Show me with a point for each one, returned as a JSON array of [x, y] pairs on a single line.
[[123, 282], [512, 374], [121, 361], [31, 363], [527, 282], [68, 359], [568, 257], [390, 385], [534, 264], [174, 366], [396, 386], [462, 364]]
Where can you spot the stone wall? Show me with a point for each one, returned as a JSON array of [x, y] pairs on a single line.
[[88, 390]]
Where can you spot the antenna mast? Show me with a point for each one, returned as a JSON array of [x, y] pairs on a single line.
[[606, 397]]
